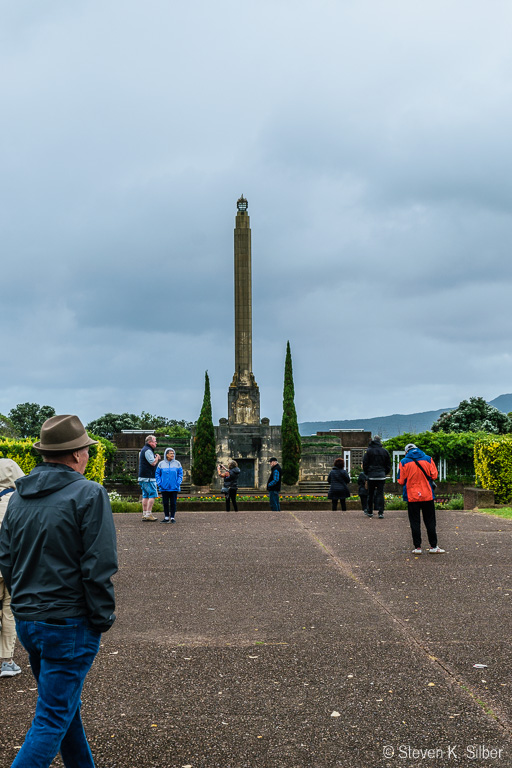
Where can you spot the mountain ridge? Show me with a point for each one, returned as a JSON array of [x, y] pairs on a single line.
[[396, 423]]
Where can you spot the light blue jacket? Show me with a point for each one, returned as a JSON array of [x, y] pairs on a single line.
[[169, 474]]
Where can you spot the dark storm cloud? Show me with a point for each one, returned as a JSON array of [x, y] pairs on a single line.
[[372, 143]]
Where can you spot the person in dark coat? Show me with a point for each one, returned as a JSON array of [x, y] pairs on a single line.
[[230, 475], [362, 490], [376, 464], [338, 485]]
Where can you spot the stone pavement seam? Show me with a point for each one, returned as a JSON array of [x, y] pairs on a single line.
[[409, 635]]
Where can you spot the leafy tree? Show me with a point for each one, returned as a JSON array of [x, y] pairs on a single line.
[[28, 418], [7, 428], [290, 434], [204, 457], [111, 423], [474, 415]]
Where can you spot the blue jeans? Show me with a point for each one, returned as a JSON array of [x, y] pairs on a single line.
[[275, 504], [60, 657]]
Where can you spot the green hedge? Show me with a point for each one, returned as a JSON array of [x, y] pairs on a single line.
[[22, 452], [456, 447], [493, 465]]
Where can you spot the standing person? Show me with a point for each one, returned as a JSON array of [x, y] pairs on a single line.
[[230, 475], [362, 490], [169, 476], [274, 485], [147, 470], [57, 556], [376, 465], [417, 473], [338, 485], [9, 473]]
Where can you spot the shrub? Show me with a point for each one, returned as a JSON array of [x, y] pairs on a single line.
[[23, 453], [493, 465]]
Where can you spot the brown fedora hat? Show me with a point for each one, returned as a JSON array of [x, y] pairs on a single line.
[[63, 433]]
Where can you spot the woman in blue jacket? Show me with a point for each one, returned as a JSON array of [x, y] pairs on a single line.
[[168, 476]]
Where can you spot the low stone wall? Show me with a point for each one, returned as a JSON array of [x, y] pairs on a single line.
[[478, 497]]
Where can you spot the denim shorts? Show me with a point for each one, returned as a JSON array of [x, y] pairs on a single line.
[[149, 490]]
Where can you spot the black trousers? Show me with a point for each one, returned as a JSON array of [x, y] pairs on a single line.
[[376, 495], [232, 496], [169, 500], [429, 518], [343, 504], [363, 498]]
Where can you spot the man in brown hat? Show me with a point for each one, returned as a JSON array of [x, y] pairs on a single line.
[[57, 556]]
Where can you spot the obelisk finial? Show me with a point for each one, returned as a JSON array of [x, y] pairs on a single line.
[[242, 204]]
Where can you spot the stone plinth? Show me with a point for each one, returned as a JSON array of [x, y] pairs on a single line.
[[478, 497]]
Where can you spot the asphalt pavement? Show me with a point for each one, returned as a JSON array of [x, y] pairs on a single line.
[[298, 639]]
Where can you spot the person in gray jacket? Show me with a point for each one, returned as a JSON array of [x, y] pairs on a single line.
[[57, 556]]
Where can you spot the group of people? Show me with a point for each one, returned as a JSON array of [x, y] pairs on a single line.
[[58, 555], [157, 474], [417, 473]]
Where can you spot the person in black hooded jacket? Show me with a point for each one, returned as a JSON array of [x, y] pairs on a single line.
[[376, 465], [338, 485]]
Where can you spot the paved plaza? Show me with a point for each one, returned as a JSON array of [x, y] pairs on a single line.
[[298, 639]]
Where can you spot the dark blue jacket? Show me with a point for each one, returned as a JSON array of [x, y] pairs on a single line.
[[58, 547]]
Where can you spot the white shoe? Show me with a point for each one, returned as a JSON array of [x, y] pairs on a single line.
[[417, 551], [437, 550], [9, 669]]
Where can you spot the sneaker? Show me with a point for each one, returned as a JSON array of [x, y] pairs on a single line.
[[173, 520], [165, 520], [148, 517], [381, 515], [368, 514], [417, 551], [437, 550], [9, 669]]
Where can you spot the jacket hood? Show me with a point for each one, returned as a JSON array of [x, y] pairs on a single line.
[[9, 473], [235, 470], [173, 463], [415, 453], [46, 479]]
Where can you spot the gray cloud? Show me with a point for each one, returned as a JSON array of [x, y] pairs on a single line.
[[372, 144]]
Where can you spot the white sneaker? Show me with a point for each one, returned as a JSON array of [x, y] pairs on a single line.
[[417, 551], [9, 669], [437, 550]]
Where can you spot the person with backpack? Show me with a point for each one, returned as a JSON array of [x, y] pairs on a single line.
[[417, 473]]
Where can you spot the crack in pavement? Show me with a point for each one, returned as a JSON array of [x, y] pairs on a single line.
[[413, 640]]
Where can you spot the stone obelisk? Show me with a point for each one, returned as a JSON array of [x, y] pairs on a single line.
[[244, 394]]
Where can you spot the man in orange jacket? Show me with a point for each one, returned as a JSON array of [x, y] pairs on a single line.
[[417, 473]]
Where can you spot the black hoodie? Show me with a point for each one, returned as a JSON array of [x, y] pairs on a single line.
[[58, 547]]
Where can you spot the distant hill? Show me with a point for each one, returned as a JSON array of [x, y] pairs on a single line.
[[397, 423]]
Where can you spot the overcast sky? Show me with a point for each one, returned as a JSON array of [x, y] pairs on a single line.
[[372, 141]]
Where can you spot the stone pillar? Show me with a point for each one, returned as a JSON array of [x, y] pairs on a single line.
[[243, 395]]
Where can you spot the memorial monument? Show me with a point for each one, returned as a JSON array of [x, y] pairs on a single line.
[[244, 436]]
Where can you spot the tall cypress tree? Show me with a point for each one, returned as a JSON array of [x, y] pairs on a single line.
[[204, 458], [289, 427]]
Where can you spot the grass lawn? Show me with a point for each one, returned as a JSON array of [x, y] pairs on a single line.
[[502, 512]]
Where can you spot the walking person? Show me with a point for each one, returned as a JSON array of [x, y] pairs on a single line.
[[417, 473], [169, 476], [57, 556], [148, 461], [230, 488], [362, 490], [376, 465], [338, 485], [9, 473], [274, 485]]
